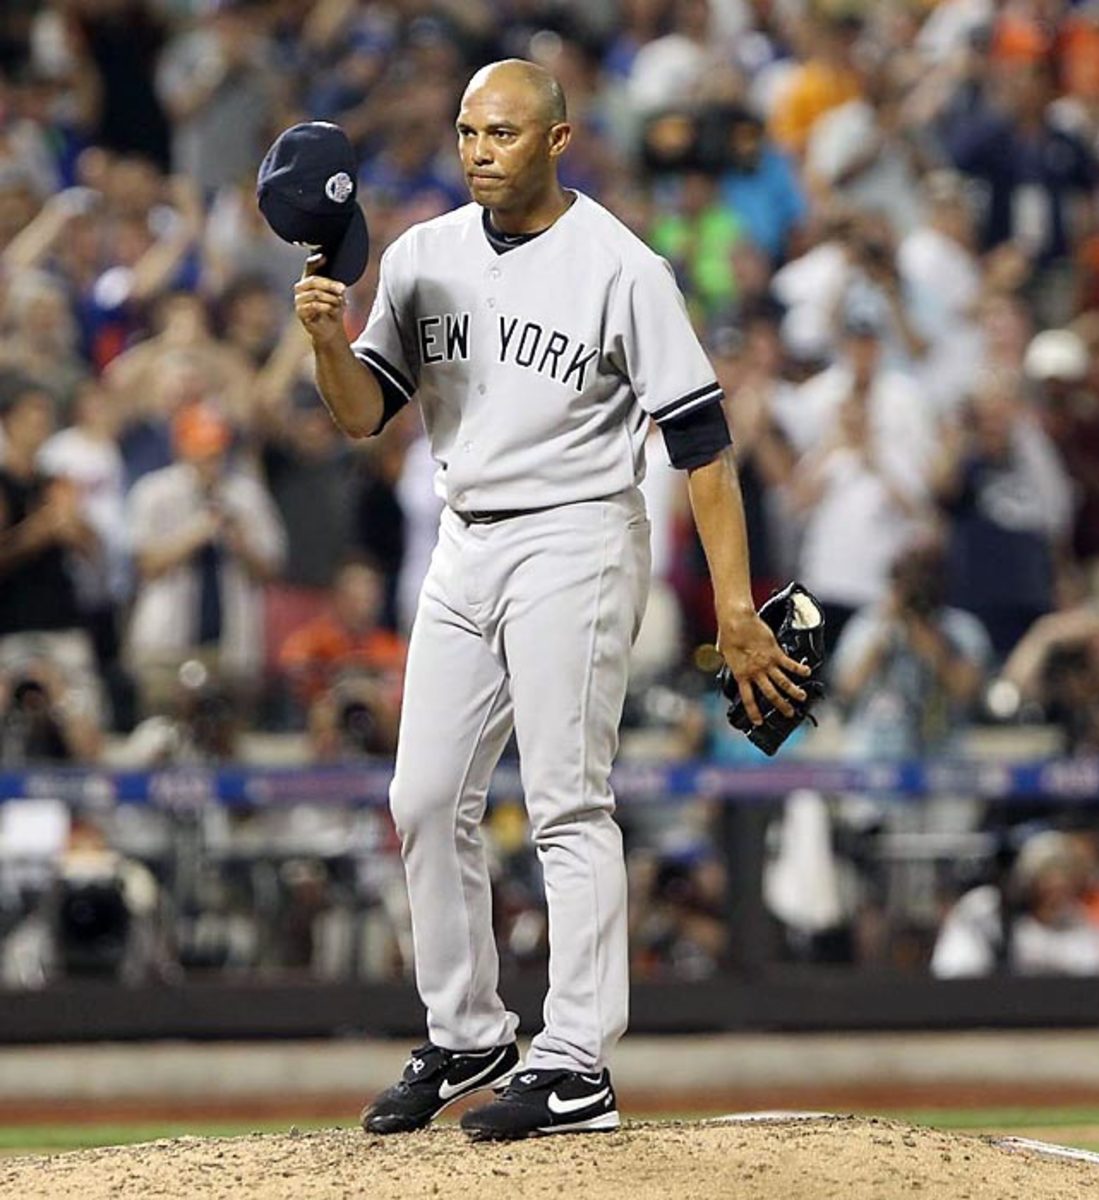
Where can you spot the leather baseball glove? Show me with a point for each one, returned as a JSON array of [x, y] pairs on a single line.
[[797, 620]]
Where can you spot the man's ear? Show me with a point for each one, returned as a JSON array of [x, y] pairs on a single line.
[[559, 135]]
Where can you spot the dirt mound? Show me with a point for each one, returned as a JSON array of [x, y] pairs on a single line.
[[844, 1157]]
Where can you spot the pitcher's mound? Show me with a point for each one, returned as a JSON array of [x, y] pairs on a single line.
[[847, 1158]]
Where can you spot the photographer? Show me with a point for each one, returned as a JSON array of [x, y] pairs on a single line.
[[353, 718], [909, 668], [1056, 667], [1036, 924], [865, 441], [758, 181], [757, 190], [346, 670], [202, 723], [876, 287], [206, 538], [44, 537], [38, 720], [1000, 481]]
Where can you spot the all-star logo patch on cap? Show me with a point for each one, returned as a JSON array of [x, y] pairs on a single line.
[[307, 193]]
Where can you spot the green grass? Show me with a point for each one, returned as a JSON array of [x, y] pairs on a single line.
[[1081, 1125], [977, 1119], [52, 1139]]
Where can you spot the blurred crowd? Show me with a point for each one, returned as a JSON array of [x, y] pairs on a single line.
[[883, 217]]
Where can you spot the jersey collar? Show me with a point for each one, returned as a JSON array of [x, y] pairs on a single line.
[[503, 242]]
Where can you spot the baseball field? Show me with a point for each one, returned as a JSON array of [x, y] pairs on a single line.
[[940, 1116], [939, 1153]]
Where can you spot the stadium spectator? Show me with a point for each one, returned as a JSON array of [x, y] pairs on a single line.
[[238, 243], [201, 722], [666, 71], [1038, 924], [909, 669], [40, 338], [119, 240], [759, 184], [810, 287], [346, 637], [182, 363], [98, 919], [697, 234], [1001, 482], [346, 669], [676, 919], [250, 318], [941, 279], [42, 534], [824, 81], [865, 433], [1056, 667], [1067, 384], [120, 41], [1035, 172], [39, 723], [218, 85], [86, 454], [312, 474], [862, 153], [206, 537], [380, 530], [639, 23]]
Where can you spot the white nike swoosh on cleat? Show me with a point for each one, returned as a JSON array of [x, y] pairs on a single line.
[[447, 1091], [558, 1107]]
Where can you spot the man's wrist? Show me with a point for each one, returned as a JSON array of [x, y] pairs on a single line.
[[735, 612]]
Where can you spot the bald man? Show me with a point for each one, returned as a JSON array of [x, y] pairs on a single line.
[[539, 337]]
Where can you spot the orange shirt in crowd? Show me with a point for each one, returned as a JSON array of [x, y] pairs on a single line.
[[1021, 38], [1091, 904], [812, 90], [324, 647], [1080, 56]]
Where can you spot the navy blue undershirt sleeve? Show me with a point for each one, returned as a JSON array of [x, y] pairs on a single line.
[[394, 397], [697, 437]]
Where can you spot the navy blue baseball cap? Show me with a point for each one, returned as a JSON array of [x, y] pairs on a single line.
[[307, 193]]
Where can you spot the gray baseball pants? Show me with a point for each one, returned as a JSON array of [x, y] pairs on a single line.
[[524, 623]]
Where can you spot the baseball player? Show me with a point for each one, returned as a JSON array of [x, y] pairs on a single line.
[[540, 338]]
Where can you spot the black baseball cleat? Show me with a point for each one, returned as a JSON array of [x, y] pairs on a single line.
[[537, 1102], [432, 1079]]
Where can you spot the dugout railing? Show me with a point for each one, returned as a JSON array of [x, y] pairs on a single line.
[[753, 992]]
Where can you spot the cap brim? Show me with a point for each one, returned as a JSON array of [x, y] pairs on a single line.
[[346, 261]]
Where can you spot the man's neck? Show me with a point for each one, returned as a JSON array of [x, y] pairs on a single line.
[[537, 216]]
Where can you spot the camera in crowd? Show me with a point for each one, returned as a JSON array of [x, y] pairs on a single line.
[[919, 582], [363, 724], [31, 729], [91, 924], [1070, 681], [713, 140], [212, 723]]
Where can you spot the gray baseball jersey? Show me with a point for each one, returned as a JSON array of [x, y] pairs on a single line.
[[537, 367], [536, 370]]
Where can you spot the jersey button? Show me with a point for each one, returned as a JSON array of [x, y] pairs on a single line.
[[494, 273], [481, 389], [491, 301], [467, 446]]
